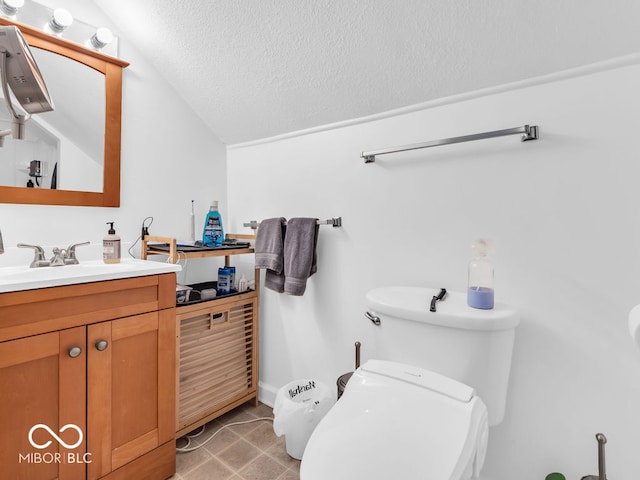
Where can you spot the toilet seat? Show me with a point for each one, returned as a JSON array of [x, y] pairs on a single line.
[[399, 421]]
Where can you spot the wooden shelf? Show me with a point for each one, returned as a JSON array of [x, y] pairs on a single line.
[[217, 343], [175, 253]]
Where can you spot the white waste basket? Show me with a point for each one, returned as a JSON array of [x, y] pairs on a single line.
[[299, 407]]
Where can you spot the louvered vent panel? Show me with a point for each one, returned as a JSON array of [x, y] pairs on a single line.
[[215, 359]]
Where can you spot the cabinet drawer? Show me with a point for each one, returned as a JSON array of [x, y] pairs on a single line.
[[215, 357], [49, 309]]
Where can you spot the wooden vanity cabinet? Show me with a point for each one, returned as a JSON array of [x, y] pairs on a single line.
[[41, 384], [101, 358]]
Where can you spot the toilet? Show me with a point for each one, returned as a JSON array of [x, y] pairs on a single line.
[[421, 407]]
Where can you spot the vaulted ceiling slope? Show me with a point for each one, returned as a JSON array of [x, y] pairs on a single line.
[[253, 69]]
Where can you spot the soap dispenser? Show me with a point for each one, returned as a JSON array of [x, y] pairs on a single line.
[[111, 246], [480, 286]]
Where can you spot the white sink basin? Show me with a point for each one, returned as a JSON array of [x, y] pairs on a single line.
[[14, 279]]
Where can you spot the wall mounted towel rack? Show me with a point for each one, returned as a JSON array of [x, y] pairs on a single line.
[[335, 222], [528, 132]]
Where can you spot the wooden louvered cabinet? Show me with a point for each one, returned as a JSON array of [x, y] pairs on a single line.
[[216, 346], [217, 362]]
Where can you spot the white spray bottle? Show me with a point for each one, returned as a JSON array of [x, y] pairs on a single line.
[[480, 288]]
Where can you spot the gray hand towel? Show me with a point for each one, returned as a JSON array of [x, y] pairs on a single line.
[[269, 249], [274, 281], [299, 254]]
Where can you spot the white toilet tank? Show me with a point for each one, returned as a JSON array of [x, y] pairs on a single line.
[[469, 345]]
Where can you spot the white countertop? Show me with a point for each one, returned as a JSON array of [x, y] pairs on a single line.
[[17, 278]]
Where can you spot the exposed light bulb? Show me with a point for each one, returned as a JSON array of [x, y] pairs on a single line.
[[59, 21], [101, 38], [10, 8]]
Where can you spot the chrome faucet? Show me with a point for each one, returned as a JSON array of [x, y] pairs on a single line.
[[60, 255], [38, 259], [70, 257]]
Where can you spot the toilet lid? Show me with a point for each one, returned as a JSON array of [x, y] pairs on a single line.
[[385, 427]]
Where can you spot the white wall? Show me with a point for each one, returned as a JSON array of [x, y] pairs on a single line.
[[563, 211], [168, 158]]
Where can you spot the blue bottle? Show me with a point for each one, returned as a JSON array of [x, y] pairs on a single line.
[[213, 233], [480, 287], [232, 279], [224, 281]]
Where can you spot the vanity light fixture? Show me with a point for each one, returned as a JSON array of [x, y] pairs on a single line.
[[100, 39], [9, 8], [59, 21]]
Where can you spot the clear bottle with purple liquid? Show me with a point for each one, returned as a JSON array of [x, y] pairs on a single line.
[[480, 287]]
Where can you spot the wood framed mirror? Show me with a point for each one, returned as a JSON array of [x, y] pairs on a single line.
[[111, 68]]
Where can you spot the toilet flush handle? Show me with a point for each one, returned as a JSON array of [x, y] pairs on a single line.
[[373, 317]]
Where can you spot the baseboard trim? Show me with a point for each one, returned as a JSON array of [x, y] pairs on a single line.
[[267, 394]]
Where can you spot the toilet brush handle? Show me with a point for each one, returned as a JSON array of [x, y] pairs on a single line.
[[602, 470], [357, 355]]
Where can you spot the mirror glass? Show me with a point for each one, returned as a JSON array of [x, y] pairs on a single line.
[[62, 149], [77, 146]]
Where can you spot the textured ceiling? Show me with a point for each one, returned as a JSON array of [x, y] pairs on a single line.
[[257, 68]]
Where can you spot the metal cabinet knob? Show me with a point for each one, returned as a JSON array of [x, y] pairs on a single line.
[[75, 351], [102, 345]]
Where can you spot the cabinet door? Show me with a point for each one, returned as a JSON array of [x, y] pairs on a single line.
[[42, 406], [131, 388]]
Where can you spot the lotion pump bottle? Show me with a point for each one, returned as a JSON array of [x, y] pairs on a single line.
[[480, 287], [111, 246]]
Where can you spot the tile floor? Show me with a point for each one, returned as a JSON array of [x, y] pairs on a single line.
[[240, 452]]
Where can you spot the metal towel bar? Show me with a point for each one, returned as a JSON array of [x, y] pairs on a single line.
[[336, 222], [528, 132]]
